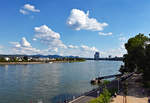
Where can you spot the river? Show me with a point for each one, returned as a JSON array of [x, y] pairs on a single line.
[[50, 83]]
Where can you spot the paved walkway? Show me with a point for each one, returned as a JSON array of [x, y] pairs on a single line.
[[135, 94], [86, 98], [83, 99], [130, 99], [93, 94]]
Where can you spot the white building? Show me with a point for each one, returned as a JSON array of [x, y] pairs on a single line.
[[7, 58]]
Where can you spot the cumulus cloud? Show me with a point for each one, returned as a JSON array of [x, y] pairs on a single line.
[[55, 49], [28, 8], [23, 47], [23, 12], [82, 51], [34, 39], [24, 42], [31, 8], [78, 20], [47, 36], [72, 46], [86, 48], [105, 34], [15, 44]]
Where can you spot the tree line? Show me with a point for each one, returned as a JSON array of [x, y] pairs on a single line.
[[137, 58]]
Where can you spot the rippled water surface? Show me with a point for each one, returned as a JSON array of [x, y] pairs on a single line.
[[50, 83]]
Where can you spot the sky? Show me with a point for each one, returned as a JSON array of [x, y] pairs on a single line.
[[71, 27]]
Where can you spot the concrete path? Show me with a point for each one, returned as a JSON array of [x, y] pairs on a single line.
[[135, 94], [86, 98], [94, 94], [129, 99]]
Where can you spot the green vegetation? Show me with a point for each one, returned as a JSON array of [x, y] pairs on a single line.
[[137, 58], [32, 59], [105, 82], [65, 59], [113, 91], [103, 98], [2, 60]]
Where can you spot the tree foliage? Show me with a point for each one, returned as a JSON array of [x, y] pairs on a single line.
[[138, 55], [103, 98]]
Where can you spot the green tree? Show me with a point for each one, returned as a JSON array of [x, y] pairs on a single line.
[[25, 58], [103, 98], [138, 56], [146, 70], [135, 57]]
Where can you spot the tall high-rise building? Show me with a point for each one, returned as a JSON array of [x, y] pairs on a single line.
[[96, 56]]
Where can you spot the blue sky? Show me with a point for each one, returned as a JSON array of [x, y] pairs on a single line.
[[71, 27]]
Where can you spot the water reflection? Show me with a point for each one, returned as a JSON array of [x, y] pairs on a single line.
[[50, 83]]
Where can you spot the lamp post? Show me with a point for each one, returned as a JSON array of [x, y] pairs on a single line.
[[98, 93], [118, 85]]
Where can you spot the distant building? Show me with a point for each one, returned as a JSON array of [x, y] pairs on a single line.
[[96, 56], [109, 56], [7, 58]]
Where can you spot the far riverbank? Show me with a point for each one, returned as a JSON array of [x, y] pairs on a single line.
[[15, 63]]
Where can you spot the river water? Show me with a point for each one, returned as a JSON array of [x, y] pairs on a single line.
[[50, 83]]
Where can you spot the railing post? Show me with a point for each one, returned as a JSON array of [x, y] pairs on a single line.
[[118, 85]]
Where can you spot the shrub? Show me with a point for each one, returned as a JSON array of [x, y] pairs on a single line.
[[103, 98]]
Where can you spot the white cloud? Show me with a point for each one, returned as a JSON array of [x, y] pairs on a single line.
[[31, 8], [115, 52], [47, 36], [86, 48], [23, 47], [72, 46], [55, 49], [105, 34], [120, 51], [24, 42], [23, 12], [34, 39], [123, 40], [82, 51], [27, 8], [78, 20], [15, 44], [44, 31]]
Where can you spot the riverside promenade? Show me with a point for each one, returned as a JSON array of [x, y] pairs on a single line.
[[135, 91], [86, 97]]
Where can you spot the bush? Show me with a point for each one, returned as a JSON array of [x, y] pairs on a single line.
[[103, 98], [113, 91]]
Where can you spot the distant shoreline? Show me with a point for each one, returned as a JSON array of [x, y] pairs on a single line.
[[19, 63], [13, 63]]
